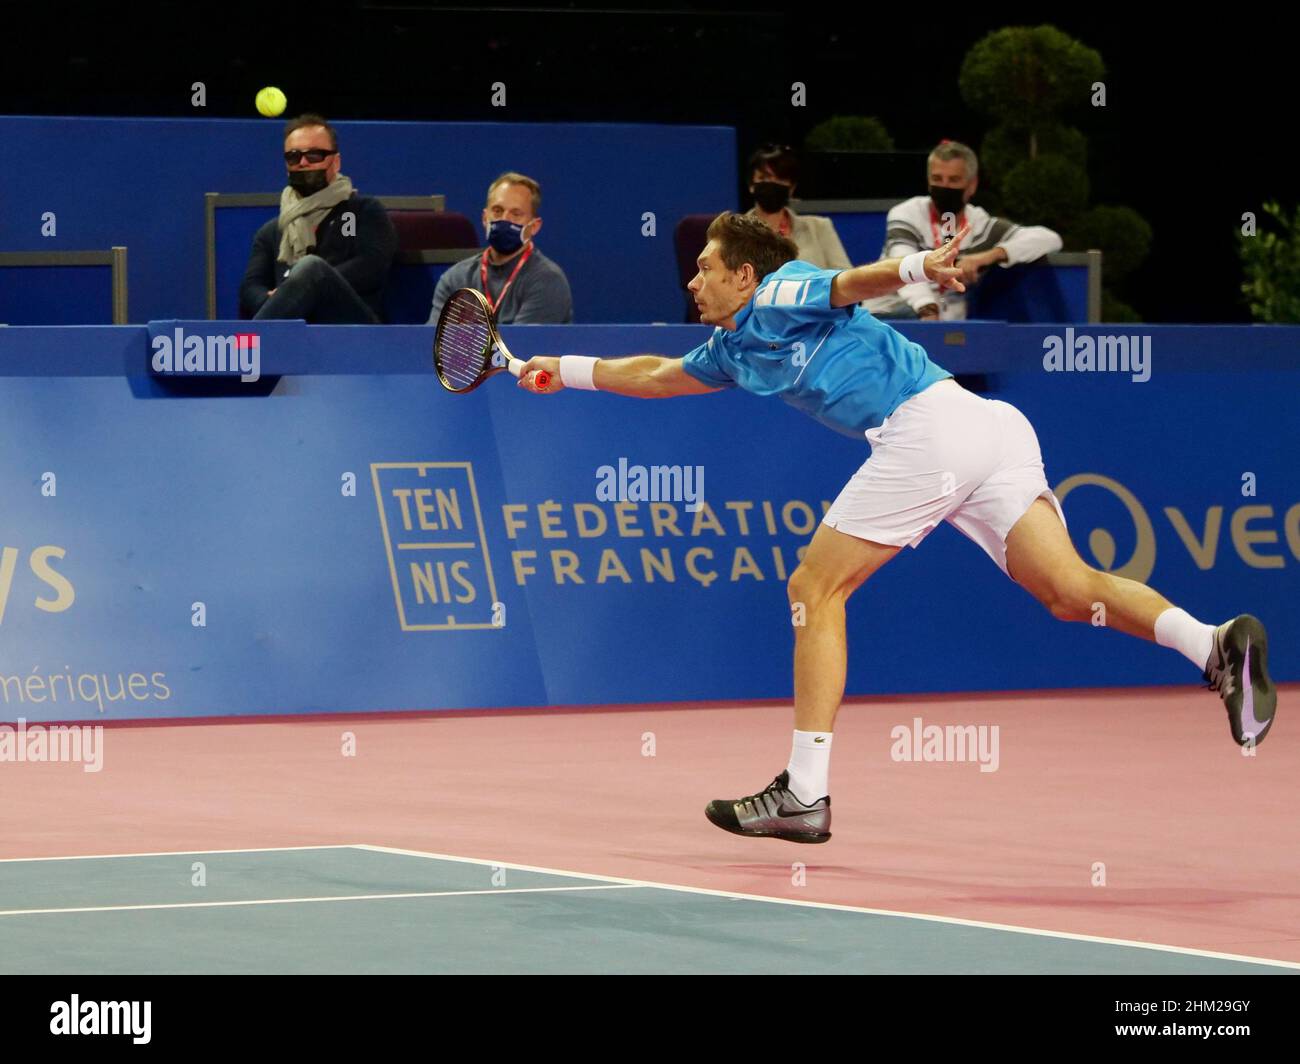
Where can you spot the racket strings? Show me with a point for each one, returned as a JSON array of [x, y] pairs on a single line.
[[464, 344]]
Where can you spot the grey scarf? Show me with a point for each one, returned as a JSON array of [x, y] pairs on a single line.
[[300, 216]]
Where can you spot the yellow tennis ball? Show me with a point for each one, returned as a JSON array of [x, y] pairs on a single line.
[[271, 101]]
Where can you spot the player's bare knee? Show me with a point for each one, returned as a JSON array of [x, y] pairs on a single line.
[[1062, 610], [809, 586], [1070, 596]]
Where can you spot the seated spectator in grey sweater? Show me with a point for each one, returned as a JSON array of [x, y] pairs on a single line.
[[773, 177], [924, 222], [522, 284], [326, 258]]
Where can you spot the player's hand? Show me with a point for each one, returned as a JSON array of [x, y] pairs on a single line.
[[551, 365], [939, 264]]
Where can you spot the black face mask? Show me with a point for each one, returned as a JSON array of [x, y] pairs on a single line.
[[307, 182], [771, 196], [947, 200]]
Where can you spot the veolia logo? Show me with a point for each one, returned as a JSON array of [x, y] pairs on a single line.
[[1251, 528], [1102, 543]]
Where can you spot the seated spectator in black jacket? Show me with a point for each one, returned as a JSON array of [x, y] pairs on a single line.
[[522, 284], [327, 256]]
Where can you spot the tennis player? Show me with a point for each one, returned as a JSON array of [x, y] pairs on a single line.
[[938, 453]]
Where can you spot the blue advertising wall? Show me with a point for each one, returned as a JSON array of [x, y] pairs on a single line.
[[598, 183], [128, 502]]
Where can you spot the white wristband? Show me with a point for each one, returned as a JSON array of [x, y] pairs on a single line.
[[912, 268], [577, 371]]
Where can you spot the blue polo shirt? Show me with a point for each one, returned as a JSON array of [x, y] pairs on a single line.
[[839, 364]]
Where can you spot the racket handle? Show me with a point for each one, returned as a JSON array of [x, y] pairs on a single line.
[[541, 379]]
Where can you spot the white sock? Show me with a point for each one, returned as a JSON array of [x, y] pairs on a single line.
[[810, 766], [1184, 633]]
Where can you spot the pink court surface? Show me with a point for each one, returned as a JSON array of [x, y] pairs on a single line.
[[1198, 845]]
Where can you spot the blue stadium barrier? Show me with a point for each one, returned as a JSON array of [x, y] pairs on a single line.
[[408, 299], [362, 540], [860, 224], [596, 226], [233, 230]]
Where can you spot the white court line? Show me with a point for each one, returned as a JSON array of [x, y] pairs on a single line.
[[174, 853], [299, 901], [952, 920], [850, 908]]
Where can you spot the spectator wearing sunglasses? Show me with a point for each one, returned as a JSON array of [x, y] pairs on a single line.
[[773, 177], [326, 258]]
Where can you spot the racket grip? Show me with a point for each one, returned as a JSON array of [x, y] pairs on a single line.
[[540, 377]]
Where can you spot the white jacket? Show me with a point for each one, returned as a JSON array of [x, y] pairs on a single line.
[[910, 228]]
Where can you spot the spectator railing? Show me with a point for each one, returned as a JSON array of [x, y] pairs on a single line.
[[114, 259], [215, 201]]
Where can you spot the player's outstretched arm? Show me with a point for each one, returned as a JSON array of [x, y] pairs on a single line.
[[883, 277], [640, 376]]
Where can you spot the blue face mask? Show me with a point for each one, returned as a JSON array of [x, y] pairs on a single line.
[[506, 237]]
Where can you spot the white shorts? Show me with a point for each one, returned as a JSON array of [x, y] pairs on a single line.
[[945, 455]]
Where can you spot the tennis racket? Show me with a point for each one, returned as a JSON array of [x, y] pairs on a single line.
[[467, 349]]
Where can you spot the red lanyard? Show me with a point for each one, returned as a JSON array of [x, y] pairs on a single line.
[[513, 274], [934, 225]]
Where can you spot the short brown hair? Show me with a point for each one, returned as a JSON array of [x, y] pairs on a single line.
[[303, 121], [512, 178], [743, 238]]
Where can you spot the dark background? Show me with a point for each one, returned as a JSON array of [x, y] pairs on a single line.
[[1196, 131]]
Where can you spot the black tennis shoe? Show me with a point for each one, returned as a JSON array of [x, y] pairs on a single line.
[[1238, 670], [774, 813]]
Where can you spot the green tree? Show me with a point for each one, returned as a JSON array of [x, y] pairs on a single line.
[[849, 133], [1270, 259], [1123, 235], [1047, 191], [1006, 146], [1023, 79], [1023, 76]]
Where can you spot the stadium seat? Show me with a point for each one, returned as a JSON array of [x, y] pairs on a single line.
[[427, 230], [427, 243]]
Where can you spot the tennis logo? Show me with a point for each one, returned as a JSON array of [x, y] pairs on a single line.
[[437, 546], [951, 742], [195, 354], [638, 483]]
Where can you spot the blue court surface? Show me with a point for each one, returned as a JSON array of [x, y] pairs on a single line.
[[370, 909]]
